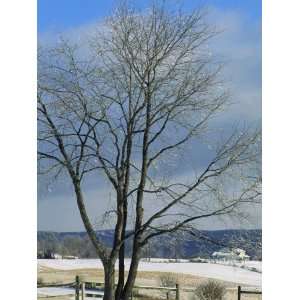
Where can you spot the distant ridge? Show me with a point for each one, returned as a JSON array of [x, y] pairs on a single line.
[[201, 243]]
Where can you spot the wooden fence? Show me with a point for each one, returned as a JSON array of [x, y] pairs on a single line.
[[85, 289], [247, 291]]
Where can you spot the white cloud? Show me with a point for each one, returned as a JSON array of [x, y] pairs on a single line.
[[239, 46]]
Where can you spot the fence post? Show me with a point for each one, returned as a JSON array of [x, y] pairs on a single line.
[[239, 292], [77, 287], [177, 291], [82, 290]]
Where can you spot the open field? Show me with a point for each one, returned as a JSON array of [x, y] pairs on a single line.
[[64, 271], [50, 275], [225, 273]]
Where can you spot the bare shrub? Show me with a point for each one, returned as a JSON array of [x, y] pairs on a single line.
[[210, 290], [168, 280]]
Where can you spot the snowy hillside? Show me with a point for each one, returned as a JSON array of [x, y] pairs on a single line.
[[209, 270]]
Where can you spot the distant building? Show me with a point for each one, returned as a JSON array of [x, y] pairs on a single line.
[[231, 254], [69, 257], [57, 256]]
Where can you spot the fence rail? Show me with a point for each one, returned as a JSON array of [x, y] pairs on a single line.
[[88, 288], [253, 292], [56, 284]]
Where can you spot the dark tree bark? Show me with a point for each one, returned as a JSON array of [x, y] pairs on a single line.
[[121, 276], [109, 282], [132, 273]]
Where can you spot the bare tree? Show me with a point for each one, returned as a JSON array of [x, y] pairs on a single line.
[[126, 107]]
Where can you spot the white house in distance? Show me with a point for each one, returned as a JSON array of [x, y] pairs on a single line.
[[231, 254], [58, 256], [69, 257]]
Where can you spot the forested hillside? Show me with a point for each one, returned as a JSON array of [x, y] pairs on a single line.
[[185, 245]]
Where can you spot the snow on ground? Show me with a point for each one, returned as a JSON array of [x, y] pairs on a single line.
[[165, 260], [209, 270], [47, 292], [55, 291], [254, 264], [251, 264]]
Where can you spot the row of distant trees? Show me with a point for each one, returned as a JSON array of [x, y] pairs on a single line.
[[173, 246], [82, 247], [75, 246]]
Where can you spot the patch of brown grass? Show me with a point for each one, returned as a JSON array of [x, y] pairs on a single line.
[[50, 275]]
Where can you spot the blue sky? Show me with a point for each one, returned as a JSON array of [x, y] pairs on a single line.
[[239, 45], [65, 14]]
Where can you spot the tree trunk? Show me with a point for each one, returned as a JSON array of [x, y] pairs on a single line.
[[132, 272], [121, 277], [109, 282]]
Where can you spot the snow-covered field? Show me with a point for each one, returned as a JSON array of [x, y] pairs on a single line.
[[55, 291], [256, 265], [247, 264], [209, 270], [61, 291]]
